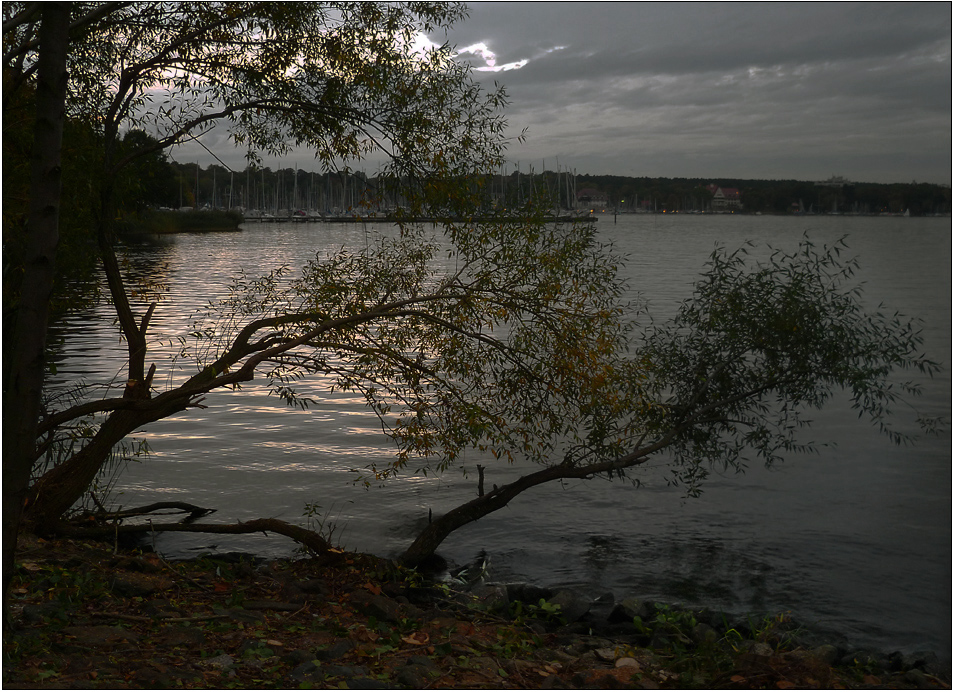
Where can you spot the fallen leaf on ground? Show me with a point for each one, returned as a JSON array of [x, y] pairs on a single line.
[[416, 639]]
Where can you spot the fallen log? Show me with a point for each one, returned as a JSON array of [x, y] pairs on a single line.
[[194, 511], [309, 539]]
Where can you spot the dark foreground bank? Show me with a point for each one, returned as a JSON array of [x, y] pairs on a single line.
[[88, 616]]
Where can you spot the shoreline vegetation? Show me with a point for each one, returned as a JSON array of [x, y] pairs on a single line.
[[90, 615], [165, 221], [340, 191]]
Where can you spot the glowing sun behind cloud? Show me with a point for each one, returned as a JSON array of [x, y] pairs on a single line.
[[423, 44], [490, 59]]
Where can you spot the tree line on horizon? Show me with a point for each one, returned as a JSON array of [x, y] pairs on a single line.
[[174, 184], [773, 196]]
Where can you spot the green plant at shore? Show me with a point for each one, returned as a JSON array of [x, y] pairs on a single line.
[[543, 610], [700, 654], [323, 523]]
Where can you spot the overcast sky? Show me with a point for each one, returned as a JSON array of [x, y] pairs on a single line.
[[713, 90], [733, 90]]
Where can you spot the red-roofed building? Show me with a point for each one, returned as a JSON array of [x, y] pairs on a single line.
[[592, 198], [724, 198]]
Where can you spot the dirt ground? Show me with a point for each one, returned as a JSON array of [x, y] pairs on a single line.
[[86, 616]]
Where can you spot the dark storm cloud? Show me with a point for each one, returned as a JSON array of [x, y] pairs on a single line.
[[741, 89]]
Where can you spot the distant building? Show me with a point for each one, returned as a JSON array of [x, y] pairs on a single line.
[[834, 181], [590, 197], [725, 198]]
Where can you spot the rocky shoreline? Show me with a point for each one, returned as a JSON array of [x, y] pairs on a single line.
[[642, 623], [88, 616]]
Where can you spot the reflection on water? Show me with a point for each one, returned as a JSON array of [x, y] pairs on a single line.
[[602, 552], [856, 538]]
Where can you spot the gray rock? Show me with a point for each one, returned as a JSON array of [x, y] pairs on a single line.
[[130, 588], [413, 612], [39, 614], [537, 626], [298, 656], [100, 635], [380, 607], [926, 661], [414, 677], [272, 605], [583, 627], [425, 661], [553, 682], [601, 607], [367, 684], [222, 662], [493, 597], [255, 648], [917, 678], [309, 671], [573, 605], [873, 660], [623, 629], [163, 677], [335, 651], [579, 680], [760, 649], [527, 593], [703, 634], [316, 587], [630, 608], [160, 608], [134, 564], [240, 614], [826, 653], [345, 671], [176, 636], [812, 639], [517, 666]]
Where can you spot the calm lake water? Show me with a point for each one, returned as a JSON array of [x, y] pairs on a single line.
[[856, 539]]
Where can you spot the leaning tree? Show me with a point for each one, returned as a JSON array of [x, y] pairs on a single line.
[[499, 330], [339, 78]]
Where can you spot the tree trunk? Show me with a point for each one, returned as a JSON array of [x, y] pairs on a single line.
[[60, 487], [23, 379], [434, 534]]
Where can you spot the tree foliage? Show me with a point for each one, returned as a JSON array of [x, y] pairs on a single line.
[[731, 377], [759, 344], [484, 337]]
